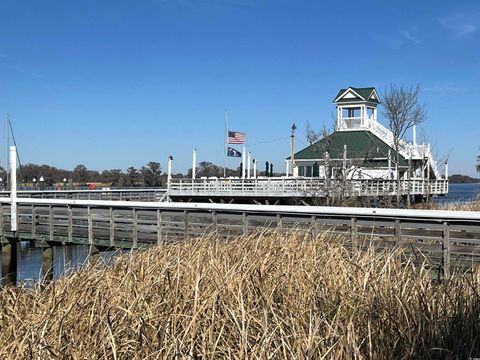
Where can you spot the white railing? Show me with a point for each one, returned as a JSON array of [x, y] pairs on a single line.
[[416, 151], [303, 187]]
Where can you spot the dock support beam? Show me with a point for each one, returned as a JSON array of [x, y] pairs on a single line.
[[9, 261], [93, 254], [47, 263]]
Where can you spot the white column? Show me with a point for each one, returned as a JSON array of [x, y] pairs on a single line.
[[339, 118], [389, 164], [287, 167], [244, 161], [249, 160], [194, 164], [414, 130], [446, 170], [169, 173], [254, 168], [13, 188]]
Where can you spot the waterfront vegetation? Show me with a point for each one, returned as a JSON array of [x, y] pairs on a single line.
[[265, 295], [454, 206]]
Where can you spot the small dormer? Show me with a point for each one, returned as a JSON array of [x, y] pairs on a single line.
[[356, 108]]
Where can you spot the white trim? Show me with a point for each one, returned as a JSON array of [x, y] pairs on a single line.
[[349, 89], [375, 93]]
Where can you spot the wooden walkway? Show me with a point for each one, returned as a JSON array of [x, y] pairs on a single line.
[[132, 194], [445, 238]]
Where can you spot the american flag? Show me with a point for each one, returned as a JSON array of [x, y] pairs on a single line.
[[236, 137]]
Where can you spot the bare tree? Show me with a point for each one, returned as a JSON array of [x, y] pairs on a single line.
[[313, 135], [403, 111]]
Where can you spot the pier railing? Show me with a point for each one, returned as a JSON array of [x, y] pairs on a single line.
[[128, 194], [303, 187], [445, 238]]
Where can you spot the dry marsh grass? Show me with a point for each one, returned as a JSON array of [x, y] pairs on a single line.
[[460, 206], [262, 296]]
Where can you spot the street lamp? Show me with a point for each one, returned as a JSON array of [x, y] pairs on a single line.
[[64, 183], [34, 180], [41, 182]]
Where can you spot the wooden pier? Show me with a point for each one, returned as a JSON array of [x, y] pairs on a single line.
[[288, 190], [127, 194], [445, 238]]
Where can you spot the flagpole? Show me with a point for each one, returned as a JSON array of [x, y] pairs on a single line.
[[225, 146], [244, 160]]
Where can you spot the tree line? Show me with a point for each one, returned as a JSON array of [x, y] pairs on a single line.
[[149, 175]]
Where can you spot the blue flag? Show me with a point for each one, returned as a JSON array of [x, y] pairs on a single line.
[[233, 153]]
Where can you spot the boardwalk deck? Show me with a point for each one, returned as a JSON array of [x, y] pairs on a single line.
[[446, 239]]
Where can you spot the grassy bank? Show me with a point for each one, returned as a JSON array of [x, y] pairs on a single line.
[[261, 296]]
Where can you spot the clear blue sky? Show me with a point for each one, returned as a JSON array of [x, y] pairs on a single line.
[[117, 83]]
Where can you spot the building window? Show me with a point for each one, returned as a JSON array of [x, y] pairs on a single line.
[[309, 171], [301, 171], [316, 170]]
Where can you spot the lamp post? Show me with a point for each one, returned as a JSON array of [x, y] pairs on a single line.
[[64, 183], [41, 182], [34, 181], [292, 148]]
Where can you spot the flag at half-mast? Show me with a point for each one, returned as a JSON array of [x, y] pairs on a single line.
[[236, 137], [233, 153]]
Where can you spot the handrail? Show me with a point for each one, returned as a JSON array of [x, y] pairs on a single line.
[[412, 214]]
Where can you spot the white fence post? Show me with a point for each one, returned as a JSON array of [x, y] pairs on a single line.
[[13, 190]]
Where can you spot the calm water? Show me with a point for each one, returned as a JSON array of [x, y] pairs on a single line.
[[66, 259], [460, 193], [72, 257]]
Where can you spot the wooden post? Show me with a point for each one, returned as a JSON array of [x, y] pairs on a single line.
[[214, 221], [34, 222], [47, 263], [397, 232], [279, 223], [135, 228], [90, 225], [185, 224], [70, 224], [93, 254], [50, 225], [446, 250], [244, 223], [112, 227], [9, 261], [159, 227], [354, 234], [313, 225]]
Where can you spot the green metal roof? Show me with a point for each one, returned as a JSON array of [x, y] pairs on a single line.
[[364, 93], [362, 145]]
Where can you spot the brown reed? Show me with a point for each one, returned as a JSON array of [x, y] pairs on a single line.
[[262, 296]]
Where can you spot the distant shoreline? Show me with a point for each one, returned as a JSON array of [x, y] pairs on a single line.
[[462, 179]]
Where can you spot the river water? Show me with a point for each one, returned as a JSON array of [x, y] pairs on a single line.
[[460, 193], [69, 258]]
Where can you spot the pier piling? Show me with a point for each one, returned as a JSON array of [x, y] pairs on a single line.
[[9, 261], [47, 263]]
